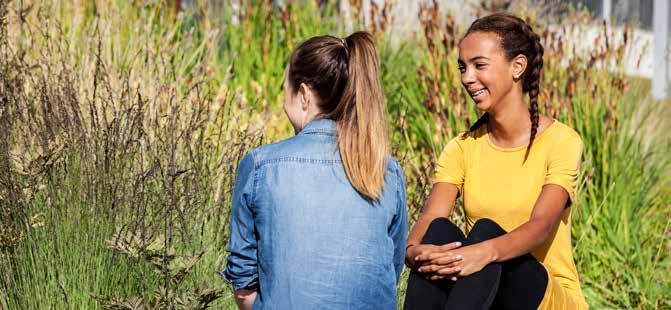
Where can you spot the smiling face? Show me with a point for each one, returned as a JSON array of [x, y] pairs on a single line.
[[486, 72]]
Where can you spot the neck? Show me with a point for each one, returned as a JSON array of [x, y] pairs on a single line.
[[511, 121], [311, 115]]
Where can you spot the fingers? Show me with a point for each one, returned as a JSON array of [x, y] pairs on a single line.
[[437, 277], [440, 270], [452, 271], [429, 268], [440, 258], [446, 259], [445, 269], [431, 251], [449, 246]]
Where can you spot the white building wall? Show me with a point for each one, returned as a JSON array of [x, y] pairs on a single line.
[[646, 57]]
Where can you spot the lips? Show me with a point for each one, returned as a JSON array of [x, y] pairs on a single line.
[[478, 92]]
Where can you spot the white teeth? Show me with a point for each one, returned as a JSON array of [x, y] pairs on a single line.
[[478, 92]]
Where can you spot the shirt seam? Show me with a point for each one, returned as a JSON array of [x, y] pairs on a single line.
[[296, 159], [399, 184], [521, 147], [319, 132], [255, 181]]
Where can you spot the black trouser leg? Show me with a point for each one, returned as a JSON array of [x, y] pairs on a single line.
[[478, 290], [516, 284], [425, 294], [523, 284]]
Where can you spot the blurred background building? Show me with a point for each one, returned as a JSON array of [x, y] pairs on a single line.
[[651, 19], [649, 54], [647, 58]]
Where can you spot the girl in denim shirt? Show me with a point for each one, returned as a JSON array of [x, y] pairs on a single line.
[[319, 220]]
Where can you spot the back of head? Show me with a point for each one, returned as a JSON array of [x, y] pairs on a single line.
[[344, 73]]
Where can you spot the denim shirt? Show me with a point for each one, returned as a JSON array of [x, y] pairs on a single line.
[[305, 237]]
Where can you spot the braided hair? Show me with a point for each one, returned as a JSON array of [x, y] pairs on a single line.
[[517, 37]]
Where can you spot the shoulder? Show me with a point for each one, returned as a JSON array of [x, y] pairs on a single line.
[[277, 150], [461, 143], [466, 139], [563, 142], [394, 167], [563, 135], [394, 176]]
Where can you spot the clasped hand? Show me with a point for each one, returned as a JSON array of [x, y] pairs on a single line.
[[449, 261]]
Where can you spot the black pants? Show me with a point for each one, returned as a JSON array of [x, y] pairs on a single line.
[[518, 283]]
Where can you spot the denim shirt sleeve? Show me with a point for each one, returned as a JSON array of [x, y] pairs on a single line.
[[241, 264], [399, 226]]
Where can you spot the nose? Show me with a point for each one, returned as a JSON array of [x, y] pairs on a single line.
[[468, 76]]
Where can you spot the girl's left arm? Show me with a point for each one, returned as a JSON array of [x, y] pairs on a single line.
[[558, 192], [525, 238]]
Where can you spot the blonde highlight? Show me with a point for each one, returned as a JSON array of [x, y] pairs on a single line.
[[345, 75], [362, 127]]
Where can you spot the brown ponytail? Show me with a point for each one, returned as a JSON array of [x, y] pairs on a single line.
[[345, 75], [517, 37]]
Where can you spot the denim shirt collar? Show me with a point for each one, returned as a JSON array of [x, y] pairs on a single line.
[[320, 126]]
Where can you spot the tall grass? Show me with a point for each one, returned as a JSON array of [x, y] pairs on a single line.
[[125, 120], [122, 146]]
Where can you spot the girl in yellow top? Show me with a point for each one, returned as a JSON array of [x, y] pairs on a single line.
[[517, 172]]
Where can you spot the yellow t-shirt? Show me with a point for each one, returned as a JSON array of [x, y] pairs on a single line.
[[497, 184]]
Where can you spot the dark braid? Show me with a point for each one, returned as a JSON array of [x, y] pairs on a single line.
[[481, 121], [531, 83], [517, 37]]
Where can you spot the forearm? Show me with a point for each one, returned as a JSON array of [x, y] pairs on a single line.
[[522, 240], [544, 219], [416, 235], [421, 226], [439, 204]]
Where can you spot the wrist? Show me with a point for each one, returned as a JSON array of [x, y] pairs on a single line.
[[409, 245], [408, 257], [491, 250]]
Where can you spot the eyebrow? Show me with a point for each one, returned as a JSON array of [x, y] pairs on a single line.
[[474, 59]]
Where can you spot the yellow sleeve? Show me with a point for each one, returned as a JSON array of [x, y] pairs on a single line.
[[450, 167], [564, 165]]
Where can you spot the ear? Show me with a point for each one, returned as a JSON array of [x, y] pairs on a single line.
[[519, 66], [305, 94]]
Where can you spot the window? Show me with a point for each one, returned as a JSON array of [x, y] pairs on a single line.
[[636, 12]]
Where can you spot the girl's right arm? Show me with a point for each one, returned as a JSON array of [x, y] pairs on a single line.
[[439, 204], [244, 298]]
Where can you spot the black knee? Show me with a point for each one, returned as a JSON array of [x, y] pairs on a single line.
[[442, 231], [523, 284], [485, 229]]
